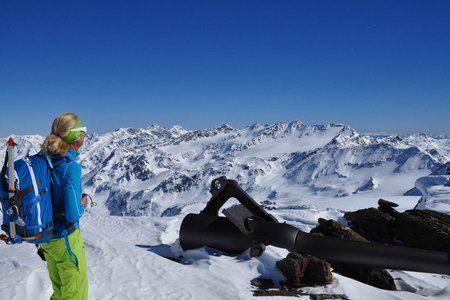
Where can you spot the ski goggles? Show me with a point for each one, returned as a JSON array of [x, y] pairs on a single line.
[[75, 133]]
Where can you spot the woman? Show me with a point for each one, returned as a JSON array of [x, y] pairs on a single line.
[[65, 253]]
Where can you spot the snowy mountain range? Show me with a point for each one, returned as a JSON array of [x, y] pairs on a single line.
[[132, 170], [145, 180]]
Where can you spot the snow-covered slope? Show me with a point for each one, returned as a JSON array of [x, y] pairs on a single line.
[[134, 171], [126, 260], [145, 180], [435, 191]]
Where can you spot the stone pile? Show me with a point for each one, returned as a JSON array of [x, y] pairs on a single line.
[[425, 229]]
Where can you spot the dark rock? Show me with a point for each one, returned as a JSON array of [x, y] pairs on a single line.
[[371, 223], [388, 207], [385, 203], [267, 293], [263, 283], [295, 293], [379, 278], [304, 270], [425, 229], [328, 297], [333, 228], [376, 277]]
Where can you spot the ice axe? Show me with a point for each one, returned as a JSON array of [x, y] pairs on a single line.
[[248, 226]]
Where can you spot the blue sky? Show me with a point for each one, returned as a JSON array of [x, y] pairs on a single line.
[[381, 66]]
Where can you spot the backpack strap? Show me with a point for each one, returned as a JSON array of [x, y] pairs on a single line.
[[72, 256], [49, 161]]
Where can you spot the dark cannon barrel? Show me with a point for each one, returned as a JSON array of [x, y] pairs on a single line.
[[198, 230]]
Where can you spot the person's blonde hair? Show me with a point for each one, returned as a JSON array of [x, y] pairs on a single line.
[[53, 143]]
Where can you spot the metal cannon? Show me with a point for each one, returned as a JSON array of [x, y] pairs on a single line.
[[248, 226]]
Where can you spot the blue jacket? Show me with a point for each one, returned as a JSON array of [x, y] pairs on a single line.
[[66, 191]]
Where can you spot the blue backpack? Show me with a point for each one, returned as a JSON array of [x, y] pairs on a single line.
[[29, 204]]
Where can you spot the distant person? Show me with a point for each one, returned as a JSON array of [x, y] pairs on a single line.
[[65, 254]]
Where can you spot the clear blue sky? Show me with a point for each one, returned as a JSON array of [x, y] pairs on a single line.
[[374, 65]]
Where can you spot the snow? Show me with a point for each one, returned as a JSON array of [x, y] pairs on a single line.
[[305, 172], [300, 142], [435, 192], [126, 261]]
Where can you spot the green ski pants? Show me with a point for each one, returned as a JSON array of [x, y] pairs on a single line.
[[68, 280]]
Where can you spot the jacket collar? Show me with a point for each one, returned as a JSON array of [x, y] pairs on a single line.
[[71, 156]]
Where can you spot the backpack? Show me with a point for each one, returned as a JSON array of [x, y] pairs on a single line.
[[27, 208]]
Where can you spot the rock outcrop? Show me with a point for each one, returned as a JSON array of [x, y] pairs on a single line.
[[425, 229], [305, 270], [373, 276]]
